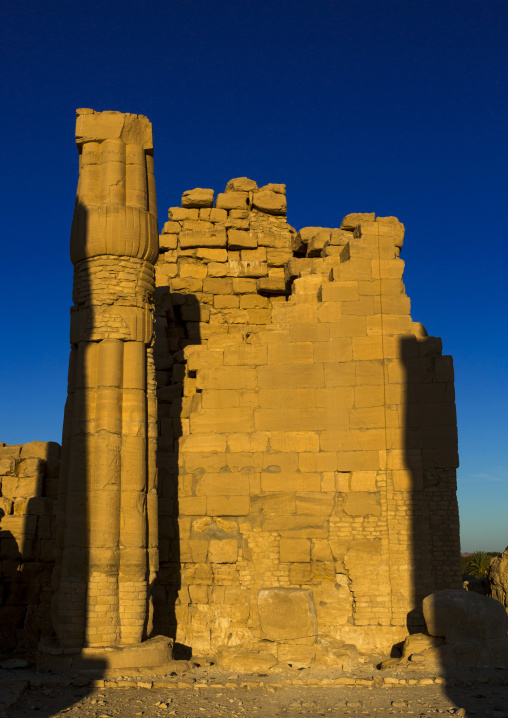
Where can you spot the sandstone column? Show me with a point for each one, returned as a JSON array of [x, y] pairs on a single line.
[[107, 542]]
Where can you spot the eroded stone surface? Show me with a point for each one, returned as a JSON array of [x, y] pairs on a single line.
[[287, 613]]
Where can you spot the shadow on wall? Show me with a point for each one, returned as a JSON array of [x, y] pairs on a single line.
[[176, 327], [28, 483], [11, 562], [16, 623], [431, 460]]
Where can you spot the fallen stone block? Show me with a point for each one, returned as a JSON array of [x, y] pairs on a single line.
[[460, 615], [497, 577], [243, 661]]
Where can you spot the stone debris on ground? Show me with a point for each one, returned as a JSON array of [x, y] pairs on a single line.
[[199, 690]]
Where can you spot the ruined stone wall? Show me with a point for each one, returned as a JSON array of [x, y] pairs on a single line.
[[307, 431], [28, 489], [306, 446]]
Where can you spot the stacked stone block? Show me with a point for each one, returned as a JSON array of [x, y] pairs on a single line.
[[28, 489], [307, 432]]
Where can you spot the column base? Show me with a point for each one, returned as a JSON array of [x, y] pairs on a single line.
[[153, 652]]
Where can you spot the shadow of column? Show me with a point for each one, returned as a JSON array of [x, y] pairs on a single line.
[[72, 531], [71, 553], [431, 457], [176, 326]]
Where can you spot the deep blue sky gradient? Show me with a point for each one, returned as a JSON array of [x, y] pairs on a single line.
[[392, 106]]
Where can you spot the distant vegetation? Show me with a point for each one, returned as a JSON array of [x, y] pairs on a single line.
[[477, 563]]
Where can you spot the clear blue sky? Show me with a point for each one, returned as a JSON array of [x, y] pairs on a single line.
[[392, 106]]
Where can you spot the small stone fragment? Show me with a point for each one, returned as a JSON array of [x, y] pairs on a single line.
[[270, 202], [272, 187], [197, 198], [241, 184], [351, 221]]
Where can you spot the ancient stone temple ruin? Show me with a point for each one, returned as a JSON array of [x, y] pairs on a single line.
[[289, 486]]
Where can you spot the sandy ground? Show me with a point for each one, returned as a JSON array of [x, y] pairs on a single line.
[[308, 701], [209, 692]]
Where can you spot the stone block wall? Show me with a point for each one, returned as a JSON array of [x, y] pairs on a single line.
[[307, 430], [28, 489]]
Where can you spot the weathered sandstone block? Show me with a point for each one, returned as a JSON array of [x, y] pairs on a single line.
[[241, 184], [287, 614], [498, 578], [232, 200], [198, 198], [464, 616], [270, 202]]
